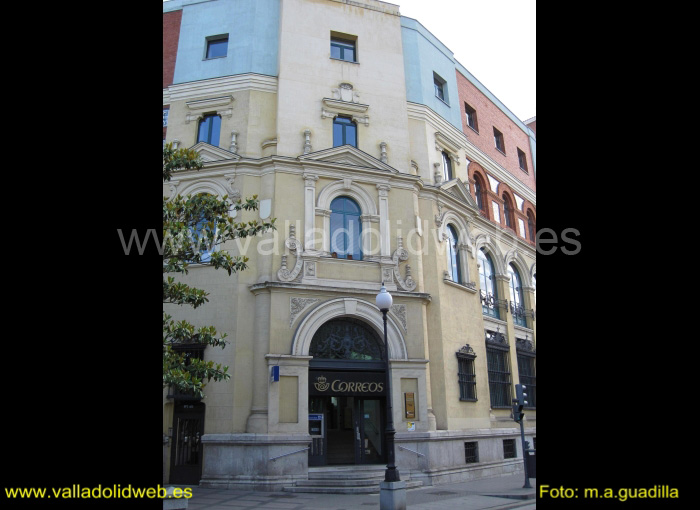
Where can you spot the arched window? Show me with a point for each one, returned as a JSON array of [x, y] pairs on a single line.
[[203, 231], [344, 132], [487, 282], [446, 166], [516, 296], [531, 225], [508, 211], [479, 192], [209, 129], [453, 255], [346, 229], [346, 339]]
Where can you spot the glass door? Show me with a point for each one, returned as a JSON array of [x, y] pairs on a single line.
[[371, 431]]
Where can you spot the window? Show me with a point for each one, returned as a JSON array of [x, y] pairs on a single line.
[[516, 296], [346, 229], [531, 225], [204, 232], [189, 351], [487, 282], [479, 192], [498, 138], [466, 376], [471, 117], [499, 376], [471, 452], [217, 46], [346, 339], [453, 255], [446, 166], [522, 159], [526, 370], [165, 116], [344, 132], [209, 129], [440, 87], [509, 451], [508, 211], [343, 49]]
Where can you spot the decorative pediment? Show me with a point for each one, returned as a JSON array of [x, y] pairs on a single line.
[[348, 155], [458, 189], [210, 153]]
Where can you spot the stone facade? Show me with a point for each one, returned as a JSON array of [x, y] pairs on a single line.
[[276, 142]]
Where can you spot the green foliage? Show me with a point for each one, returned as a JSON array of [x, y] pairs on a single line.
[[193, 226]]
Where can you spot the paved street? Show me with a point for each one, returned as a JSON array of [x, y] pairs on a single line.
[[497, 493]]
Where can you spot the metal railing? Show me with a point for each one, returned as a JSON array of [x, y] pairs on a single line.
[[290, 453], [412, 451]]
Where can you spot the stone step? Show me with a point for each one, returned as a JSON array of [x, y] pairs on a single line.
[[335, 489], [348, 473]]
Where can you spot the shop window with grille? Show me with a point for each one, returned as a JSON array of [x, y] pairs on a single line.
[[509, 451], [471, 452]]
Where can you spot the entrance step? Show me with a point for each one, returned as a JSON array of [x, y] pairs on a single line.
[[345, 480]]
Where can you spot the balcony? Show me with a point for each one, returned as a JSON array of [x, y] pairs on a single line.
[[492, 306], [520, 314]]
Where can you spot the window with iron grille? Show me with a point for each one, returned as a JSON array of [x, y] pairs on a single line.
[[466, 375], [509, 451], [499, 377], [471, 452], [190, 351], [526, 370]]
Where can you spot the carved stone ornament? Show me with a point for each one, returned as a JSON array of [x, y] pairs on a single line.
[[345, 92], [233, 193], [496, 338], [466, 352], [307, 141], [400, 312], [294, 245], [401, 254], [525, 345], [298, 305]]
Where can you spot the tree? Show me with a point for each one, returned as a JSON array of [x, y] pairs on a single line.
[[193, 226]]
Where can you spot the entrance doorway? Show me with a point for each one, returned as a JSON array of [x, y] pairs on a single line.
[[186, 453], [347, 381], [351, 430]]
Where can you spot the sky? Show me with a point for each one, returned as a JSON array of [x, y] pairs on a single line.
[[493, 39]]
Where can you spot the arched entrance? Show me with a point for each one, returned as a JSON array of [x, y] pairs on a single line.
[[346, 394]]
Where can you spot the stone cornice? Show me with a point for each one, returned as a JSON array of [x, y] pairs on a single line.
[[296, 287], [220, 86]]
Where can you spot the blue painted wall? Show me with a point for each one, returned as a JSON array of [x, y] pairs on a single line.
[[253, 29], [424, 55]]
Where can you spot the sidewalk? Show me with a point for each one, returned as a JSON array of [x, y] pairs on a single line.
[[497, 493]]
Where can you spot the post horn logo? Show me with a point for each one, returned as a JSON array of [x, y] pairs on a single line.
[[321, 384]]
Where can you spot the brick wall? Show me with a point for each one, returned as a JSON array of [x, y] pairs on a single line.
[[171, 36], [489, 116]]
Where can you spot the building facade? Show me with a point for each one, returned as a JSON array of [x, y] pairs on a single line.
[[383, 160]]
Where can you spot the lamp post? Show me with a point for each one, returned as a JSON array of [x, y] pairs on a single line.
[[392, 494], [391, 474]]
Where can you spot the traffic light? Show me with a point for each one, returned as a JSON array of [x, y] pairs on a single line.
[[521, 401]]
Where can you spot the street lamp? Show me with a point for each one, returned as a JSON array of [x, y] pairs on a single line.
[[391, 474]]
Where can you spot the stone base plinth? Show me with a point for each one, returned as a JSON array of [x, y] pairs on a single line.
[[392, 496]]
